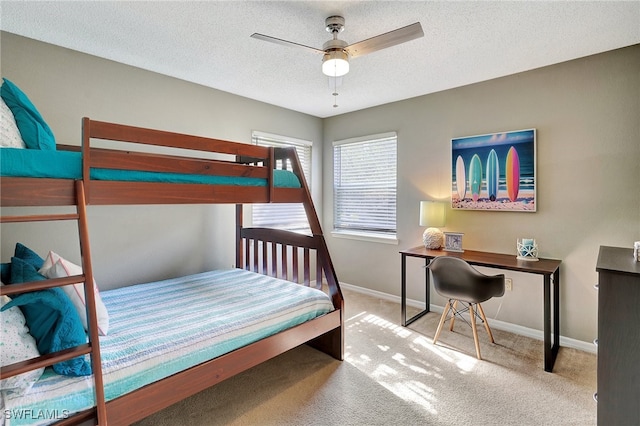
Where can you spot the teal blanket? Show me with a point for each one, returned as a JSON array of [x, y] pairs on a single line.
[[16, 162]]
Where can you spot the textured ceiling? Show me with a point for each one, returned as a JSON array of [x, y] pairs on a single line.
[[208, 42]]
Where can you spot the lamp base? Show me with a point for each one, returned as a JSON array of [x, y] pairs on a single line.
[[433, 238]]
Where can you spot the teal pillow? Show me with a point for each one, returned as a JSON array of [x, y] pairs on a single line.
[[31, 257], [34, 130], [27, 255], [51, 317], [5, 273], [22, 272]]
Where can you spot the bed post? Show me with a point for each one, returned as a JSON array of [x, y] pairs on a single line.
[[331, 343], [239, 260], [86, 171], [270, 167]]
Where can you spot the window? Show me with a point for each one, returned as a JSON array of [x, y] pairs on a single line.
[[283, 216], [364, 185]]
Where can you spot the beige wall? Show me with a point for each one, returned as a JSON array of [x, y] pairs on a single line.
[[134, 244], [587, 116], [586, 112]]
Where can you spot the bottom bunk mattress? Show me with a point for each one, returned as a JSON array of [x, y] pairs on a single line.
[[160, 328]]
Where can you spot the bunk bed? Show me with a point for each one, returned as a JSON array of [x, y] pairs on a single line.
[[111, 168]]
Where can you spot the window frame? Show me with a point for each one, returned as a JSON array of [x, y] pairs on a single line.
[[389, 237]]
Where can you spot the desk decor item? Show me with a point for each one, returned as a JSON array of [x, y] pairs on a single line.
[[495, 172], [432, 215], [527, 249], [636, 251], [453, 241]]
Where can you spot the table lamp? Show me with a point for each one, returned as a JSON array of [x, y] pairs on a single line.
[[432, 215]]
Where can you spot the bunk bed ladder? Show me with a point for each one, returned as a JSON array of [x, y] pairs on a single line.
[[93, 347]]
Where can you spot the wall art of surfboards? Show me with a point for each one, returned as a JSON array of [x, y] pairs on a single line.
[[512, 168], [493, 173], [475, 177], [461, 178]]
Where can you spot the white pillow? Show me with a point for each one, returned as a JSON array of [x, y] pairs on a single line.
[[17, 345], [9, 134], [56, 267]]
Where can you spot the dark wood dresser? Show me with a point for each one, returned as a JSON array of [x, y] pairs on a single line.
[[618, 337]]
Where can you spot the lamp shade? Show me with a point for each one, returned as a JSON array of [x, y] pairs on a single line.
[[335, 63], [432, 214]]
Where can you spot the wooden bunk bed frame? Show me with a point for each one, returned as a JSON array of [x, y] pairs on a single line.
[[268, 251]]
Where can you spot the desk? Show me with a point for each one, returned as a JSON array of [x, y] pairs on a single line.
[[548, 268]]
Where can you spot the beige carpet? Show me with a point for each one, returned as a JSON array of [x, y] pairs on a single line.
[[395, 376]]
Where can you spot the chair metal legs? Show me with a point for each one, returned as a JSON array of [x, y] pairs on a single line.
[[452, 306]]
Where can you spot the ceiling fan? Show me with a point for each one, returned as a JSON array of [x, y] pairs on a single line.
[[336, 53]]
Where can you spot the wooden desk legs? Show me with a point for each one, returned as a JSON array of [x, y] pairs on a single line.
[[551, 350], [403, 295]]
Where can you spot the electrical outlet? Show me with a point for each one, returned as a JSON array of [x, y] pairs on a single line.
[[508, 284]]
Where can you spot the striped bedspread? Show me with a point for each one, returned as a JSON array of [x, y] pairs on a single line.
[[160, 328]]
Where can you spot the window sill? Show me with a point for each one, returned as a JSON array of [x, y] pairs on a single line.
[[366, 236]]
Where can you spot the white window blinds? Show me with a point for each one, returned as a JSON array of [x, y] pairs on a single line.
[[364, 184], [282, 215]]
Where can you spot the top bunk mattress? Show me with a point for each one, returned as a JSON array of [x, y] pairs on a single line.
[[15, 162], [160, 328]]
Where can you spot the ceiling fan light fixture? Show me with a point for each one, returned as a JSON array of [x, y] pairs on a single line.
[[335, 63]]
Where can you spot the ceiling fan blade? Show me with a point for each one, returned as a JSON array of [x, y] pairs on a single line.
[[284, 42], [382, 41]]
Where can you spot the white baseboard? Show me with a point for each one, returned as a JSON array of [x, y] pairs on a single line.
[[497, 324]]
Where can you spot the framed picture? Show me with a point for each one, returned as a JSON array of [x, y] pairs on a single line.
[[453, 241], [495, 172]]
